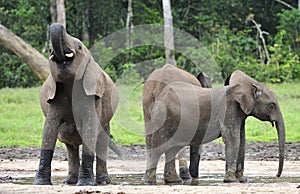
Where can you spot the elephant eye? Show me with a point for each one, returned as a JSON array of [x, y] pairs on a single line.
[[79, 46], [272, 105]]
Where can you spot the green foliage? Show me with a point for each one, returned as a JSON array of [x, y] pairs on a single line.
[[290, 25], [27, 19], [21, 119], [14, 73], [220, 26]]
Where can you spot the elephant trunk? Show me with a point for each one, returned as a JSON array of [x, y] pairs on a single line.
[[281, 140], [57, 37]]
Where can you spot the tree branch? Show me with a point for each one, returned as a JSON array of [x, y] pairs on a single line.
[[261, 36], [34, 59], [285, 4]]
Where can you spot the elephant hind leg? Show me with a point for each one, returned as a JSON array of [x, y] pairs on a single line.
[[183, 167], [73, 163], [153, 156], [170, 174], [194, 161], [101, 153]]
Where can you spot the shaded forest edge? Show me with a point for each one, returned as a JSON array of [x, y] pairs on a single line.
[[258, 37]]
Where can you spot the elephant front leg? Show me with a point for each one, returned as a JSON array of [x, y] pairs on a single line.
[[101, 152], [232, 144], [241, 157], [74, 164], [43, 175], [86, 175]]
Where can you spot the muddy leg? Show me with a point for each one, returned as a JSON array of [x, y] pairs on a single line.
[[86, 175], [232, 144], [73, 163], [43, 175], [101, 167], [241, 157], [170, 173], [152, 160], [194, 161], [183, 167]]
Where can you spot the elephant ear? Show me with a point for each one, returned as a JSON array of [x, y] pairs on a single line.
[[93, 79], [245, 90], [50, 88], [204, 80], [84, 61]]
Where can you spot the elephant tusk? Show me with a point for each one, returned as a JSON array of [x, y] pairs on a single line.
[[51, 57], [273, 123], [69, 55]]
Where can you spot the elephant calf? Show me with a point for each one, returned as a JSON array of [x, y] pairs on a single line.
[[78, 100], [185, 114]]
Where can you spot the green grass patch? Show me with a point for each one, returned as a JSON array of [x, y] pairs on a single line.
[[22, 121]]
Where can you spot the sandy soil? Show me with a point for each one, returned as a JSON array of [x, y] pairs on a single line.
[[16, 164]]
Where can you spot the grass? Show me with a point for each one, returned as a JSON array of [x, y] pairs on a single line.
[[21, 118]]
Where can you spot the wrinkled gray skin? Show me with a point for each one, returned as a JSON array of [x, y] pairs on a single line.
[[186, 114], [153, 86], [78, 100]]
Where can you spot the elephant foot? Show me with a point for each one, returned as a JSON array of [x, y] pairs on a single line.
[[105, 180], [42, 181], [86, 182], [70, 180], [230, 178], [86, 178], [172, 178], [184, 173], [43, 175], [149, 178], [242, 179], [174, 181]]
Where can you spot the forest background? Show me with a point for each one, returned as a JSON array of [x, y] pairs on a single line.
[[259, 37]]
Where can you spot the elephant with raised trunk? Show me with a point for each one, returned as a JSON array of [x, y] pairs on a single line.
[[78, 100], [186, 114], [153, 86]]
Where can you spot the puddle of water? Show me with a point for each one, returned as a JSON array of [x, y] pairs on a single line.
[[135, 179]]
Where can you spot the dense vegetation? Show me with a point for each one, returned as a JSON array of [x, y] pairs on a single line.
[[225, 28]]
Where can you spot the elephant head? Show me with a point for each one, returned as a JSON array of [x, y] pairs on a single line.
[[259, 101], [70, 60], [68, 56]]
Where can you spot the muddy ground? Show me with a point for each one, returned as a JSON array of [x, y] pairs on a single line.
[[18, 166]]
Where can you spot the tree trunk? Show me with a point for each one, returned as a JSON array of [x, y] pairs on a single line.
[[168, 32], [53, 12], [61, 15], [36, 61], [129, 24]]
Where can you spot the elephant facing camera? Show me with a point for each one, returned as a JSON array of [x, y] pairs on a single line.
[[78, 100]]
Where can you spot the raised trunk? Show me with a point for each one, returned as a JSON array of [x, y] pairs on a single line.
[[281, 140], [57, 32]]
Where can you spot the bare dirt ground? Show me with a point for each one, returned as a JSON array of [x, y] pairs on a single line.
[[18, 167]]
